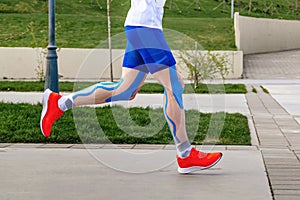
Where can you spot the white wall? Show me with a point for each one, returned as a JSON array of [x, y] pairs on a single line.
[[259, 35], [85, 64]]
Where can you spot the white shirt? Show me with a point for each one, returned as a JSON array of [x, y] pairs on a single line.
[[148, 13]]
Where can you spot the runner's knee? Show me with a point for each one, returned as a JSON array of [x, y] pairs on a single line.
[[128, 94], [176, 93]]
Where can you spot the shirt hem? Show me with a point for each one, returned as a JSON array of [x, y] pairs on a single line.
[[144, 25]]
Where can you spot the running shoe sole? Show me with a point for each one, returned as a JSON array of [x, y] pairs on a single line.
[[45, 108], [197, 168]]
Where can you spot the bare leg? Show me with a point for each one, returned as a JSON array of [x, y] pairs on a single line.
[[173, 107], [125, 89]]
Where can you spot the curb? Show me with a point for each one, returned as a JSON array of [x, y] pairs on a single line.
[[124, 146]]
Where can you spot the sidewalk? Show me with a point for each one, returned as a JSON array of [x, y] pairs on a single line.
[[50, 173], [268, 170]]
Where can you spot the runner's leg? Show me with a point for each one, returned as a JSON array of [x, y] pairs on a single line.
[[103, 92], [173, 107]]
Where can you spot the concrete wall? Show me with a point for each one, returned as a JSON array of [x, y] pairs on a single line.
[[258, 35], [85, 64]]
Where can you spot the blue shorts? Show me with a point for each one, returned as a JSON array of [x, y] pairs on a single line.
[[147, 50]]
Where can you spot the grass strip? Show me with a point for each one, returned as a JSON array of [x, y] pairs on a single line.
[[31, 86], [20, 123]]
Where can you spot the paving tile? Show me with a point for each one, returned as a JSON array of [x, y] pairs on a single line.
[[291, 130], [265, 120], [283, 116], [280, 144], [266, 126], [264, 130], [276, 111], [274, 165], [281, 161], [279, 156], [275, 150], [294, 136], [286, 197], [292, 143], [286, 186], [284, 166], [270, 146], [272, 138], [287, 192], [284, 178], [284, 172], [285, 182], [286, 122], [295, 147]]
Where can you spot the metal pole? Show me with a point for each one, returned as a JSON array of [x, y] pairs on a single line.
[[109, 41], [51, 80], [232, 9]]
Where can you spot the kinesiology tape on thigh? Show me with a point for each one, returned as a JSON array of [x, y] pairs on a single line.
[[109, 86], [131, 89]]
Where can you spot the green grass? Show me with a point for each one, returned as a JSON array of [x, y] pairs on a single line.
[[83, 24], [264, 90], [89, 31], [28, 86], [20, 123], [254, 90]]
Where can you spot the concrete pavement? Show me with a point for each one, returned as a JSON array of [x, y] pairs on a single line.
[[279, 65], [69, 173], [204, 103]]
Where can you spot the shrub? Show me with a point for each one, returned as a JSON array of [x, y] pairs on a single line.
[[204, 65]]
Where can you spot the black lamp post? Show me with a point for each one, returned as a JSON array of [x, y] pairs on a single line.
[[51, 80]]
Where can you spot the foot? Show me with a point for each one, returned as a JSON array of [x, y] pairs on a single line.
[[51, 112], [197, 160]]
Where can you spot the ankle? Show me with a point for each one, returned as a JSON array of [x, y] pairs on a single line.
[[65, 103], [183, 149]]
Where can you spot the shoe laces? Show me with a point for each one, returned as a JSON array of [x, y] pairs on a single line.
[[202, 154]]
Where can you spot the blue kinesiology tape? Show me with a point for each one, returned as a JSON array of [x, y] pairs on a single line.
[[127, 94]]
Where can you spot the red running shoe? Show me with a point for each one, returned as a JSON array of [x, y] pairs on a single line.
[[50, 112], [197, 160]]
